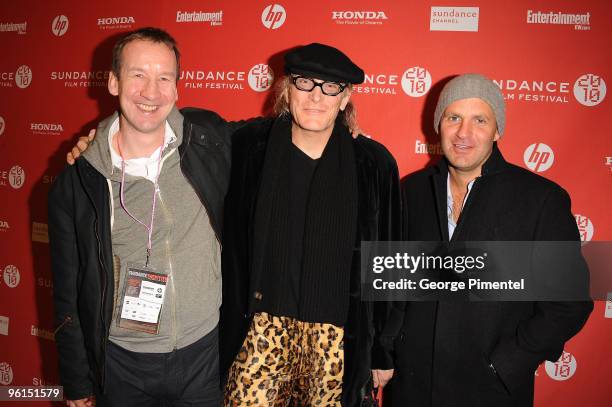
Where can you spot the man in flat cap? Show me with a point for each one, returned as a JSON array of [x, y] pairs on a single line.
[[303, 194], [480, 353]]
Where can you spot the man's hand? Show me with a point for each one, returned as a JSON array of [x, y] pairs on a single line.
[[81, 146], [86, 402], [381, 377]]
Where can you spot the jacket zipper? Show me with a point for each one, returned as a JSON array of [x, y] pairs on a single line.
[[103, 299], [67, 320]]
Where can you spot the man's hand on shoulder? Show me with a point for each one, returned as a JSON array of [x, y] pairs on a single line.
[[86, 402], [80, 146]]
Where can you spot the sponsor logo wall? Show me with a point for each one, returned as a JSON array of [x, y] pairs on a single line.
[[549, 59]]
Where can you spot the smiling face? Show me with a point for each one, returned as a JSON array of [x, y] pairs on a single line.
[[314, 112], [467, 130], [146, 86]]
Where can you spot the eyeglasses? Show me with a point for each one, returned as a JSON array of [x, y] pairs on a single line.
[[308, 84]]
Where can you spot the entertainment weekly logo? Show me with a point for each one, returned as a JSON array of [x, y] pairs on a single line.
[[19, 28], [428, 148], [359, 17], [22, 78], [454, 19], [214, 18], [115, 23], [6, 374], [14, 177], [59, 25], [259, 79], [562, 369], [80, 79], [585, 227], [588, 90], [273, 16], [11, 276], [581, 22], [539, 157], [414, 82]]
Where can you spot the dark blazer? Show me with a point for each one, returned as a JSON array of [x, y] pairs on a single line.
[[81, 251], [445, 349], [378, 219]]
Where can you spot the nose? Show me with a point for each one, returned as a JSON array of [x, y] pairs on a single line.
[[465, 129], [316, 94], [150, 89]]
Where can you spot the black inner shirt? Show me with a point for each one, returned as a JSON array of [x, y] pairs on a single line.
[[301, 170]]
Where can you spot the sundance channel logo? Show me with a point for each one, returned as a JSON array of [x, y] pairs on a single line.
[[454, 19], [259, 78]]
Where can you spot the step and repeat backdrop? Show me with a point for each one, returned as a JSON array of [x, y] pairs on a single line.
[[551, 59]]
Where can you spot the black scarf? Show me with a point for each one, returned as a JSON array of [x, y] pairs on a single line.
[[329, 229]]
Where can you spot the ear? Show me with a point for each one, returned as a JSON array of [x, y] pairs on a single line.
[[497, 135], [345, 99], [113, 84]]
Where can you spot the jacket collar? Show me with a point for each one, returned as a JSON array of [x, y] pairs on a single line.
[[494, 164]]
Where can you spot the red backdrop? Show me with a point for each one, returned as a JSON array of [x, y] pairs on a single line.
[[549, 57]]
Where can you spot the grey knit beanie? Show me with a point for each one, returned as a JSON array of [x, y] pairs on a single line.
[[472, 85]]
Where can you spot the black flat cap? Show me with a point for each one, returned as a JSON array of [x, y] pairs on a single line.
[[323, 62]]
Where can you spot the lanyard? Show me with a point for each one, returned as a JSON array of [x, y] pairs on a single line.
[[155, 190]]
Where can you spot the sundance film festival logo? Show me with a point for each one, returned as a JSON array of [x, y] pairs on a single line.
[[81, 79], [19, 28], [201, 79], [53, 129], [6, 374], [273, 16], [585, 227], [539, 91], [562, 369], [261, 77], [454, 19], [214, 18], [579, 21], [59, 25], [378, 83], [115, 23], [359, 17], [539, 157], [2, 125], [416, 81], [15, 177], [590, 90], [11, 276]]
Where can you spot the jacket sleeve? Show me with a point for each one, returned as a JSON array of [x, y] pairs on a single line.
[[73, 365], [388, 316], [210, 119], [542, 337]]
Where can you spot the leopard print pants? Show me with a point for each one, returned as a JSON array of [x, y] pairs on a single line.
[[286, 362]]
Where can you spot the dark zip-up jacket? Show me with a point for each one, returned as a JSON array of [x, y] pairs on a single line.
[[81, 251]]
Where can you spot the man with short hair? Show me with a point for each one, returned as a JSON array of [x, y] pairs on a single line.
[[135, 229], [303, 195], [481, 353]]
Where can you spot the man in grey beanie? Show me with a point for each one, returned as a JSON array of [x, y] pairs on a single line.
[[480, 353]]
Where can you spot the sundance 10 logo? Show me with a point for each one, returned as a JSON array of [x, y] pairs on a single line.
[[23, 76], [261, 77], [562, 369], [590, 89], [539, 157], [273, 16], [416, 81]]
